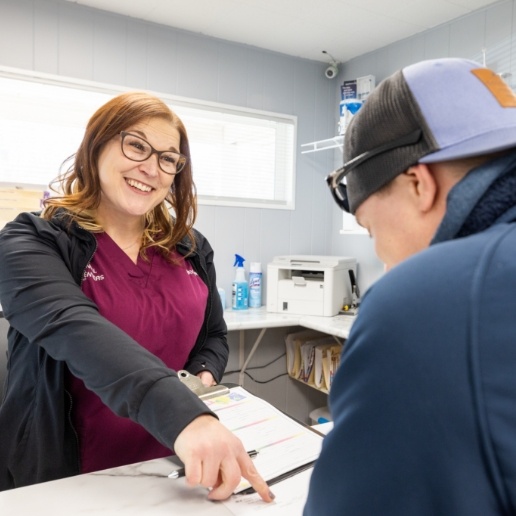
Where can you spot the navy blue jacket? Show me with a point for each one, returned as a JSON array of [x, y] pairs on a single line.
[[54, 326], [424, 402]]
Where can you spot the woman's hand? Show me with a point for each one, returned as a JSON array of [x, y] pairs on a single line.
[[215, 458], [206, 378]]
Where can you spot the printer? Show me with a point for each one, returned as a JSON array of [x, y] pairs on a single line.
[[311, 285]]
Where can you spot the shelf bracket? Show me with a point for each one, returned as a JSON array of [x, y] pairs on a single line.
[[330, 143]]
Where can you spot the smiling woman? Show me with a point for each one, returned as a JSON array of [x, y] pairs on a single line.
[[108, 295]]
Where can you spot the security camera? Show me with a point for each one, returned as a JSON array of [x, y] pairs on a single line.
[[331, 72]]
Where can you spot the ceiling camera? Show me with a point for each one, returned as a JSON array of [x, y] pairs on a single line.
[[331, 72]]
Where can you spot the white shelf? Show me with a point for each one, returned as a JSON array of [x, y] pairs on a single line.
[[330, 143]]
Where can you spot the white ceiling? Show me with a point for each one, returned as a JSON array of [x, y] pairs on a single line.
[[302, 28]]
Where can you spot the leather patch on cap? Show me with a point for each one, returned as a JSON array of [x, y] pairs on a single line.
[[497, 86]]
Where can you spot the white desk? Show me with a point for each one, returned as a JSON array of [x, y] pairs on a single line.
[[144, 489], [259, 318]]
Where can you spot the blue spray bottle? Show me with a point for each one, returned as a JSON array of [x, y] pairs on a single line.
[[240, 288]]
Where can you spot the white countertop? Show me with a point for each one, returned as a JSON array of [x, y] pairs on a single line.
[[145, 489], [139, 489], [256, 318]]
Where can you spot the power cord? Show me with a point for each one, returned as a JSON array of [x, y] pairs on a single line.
[[265, 381], [261, 367]]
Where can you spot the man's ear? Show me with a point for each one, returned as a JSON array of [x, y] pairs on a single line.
[[424, 186]]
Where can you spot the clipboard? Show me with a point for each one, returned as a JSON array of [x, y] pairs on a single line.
[[195, 384], [285, 446]]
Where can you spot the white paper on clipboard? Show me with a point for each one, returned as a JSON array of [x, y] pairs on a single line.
[[283, 444]]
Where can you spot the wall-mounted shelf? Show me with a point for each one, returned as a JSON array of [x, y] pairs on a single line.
[[330, 143], [312, 386]]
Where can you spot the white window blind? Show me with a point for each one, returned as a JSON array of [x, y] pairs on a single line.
[[41, 124], [240, 157]]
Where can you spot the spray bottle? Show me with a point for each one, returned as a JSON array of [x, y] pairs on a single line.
[[240, 288], [255, 285]]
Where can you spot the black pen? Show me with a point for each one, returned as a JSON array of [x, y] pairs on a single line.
[[178, 473]]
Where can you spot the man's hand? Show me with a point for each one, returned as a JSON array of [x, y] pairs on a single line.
[[215, 458]]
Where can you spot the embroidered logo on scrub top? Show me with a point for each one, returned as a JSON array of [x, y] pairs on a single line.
[[91, 273], [497, 86]]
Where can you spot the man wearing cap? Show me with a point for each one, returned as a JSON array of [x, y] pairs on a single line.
[[424, 402]]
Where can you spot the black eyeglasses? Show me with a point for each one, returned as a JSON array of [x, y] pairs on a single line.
[[138, 149], [339, 190]]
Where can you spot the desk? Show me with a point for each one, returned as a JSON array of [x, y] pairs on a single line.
[[143, 489], [259, 318]]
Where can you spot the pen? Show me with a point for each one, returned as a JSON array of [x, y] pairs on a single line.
[[178, 473]]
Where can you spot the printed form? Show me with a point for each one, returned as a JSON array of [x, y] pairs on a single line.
[[284, 445]]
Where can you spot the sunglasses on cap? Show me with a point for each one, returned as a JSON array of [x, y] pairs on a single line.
[[339, 190]]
